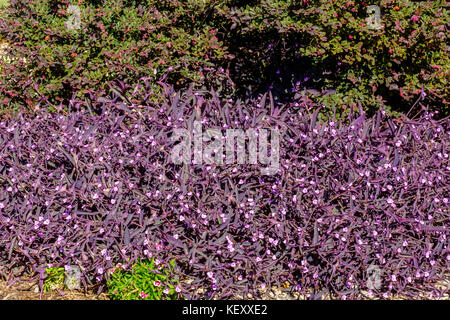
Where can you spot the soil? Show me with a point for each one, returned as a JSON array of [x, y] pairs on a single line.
[[26, 290]]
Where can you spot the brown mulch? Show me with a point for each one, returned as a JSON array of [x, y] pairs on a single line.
[[25, 290]]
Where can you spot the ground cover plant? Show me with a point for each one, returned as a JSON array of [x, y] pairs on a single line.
[[93, 185], [54, 279], [144, 280]]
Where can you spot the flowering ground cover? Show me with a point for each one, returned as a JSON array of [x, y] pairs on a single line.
[[96, 186]]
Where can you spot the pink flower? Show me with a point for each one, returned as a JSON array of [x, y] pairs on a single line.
[[143, 295], [350, 37], [156, 283], [415, 18]]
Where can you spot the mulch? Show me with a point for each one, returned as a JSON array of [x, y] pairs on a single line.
[[27, 290]]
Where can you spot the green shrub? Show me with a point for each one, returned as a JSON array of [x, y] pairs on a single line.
[[117, 40], [143, 281], [263, 43], [345, 54]]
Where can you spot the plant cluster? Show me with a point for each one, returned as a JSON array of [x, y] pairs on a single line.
[[244, 48], [145, 280], [54, 279], [345, 46], [94, 185], [113, 40]]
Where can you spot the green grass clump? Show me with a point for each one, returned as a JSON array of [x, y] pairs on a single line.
[[145, 280], [54, 280]]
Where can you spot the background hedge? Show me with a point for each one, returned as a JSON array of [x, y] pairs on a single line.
[[240, 48]]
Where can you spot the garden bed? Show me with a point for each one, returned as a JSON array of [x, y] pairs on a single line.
[[116, 163]]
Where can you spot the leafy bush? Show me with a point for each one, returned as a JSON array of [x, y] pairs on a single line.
[[330, 45], [97, 186], [233, 46], [145, 280], [116, 40]]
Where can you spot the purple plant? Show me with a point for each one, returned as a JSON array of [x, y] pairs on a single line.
[[96, 187]]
